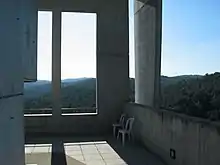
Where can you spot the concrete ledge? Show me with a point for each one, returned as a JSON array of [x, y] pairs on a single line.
[[195, 141], [179, 115], [68, 124]]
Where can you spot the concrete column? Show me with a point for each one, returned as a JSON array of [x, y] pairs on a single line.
[[11, 84], [56, 66], [148, 23], [112, 60]]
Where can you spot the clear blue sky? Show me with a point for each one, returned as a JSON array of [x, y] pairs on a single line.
[[190, 44], [191, 37]]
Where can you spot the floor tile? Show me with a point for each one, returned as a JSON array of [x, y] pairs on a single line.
[[86, 143], [29, 150], [77, 157], [75, 160], [106, 151], [89, 157], [110, 156], [90, 151], [114, 161], [40, 150], [73, 152], [95, 162], [72, 147], [70, 144], [88, 146], [38, 159]]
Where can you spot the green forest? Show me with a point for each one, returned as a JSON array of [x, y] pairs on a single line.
[[198, 96], [193, 95]]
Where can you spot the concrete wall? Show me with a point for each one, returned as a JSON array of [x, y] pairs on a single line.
[[11, 84], [112, 67], [112, 59], [71, 124], [29, 21], [195, 141]]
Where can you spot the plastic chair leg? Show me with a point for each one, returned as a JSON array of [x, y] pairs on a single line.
[[114, 131], [123, 139], [118, 135], [129, 136]]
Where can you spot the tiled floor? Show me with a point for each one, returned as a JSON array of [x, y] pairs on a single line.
[[38, 154], [93, 153], [107, 152]]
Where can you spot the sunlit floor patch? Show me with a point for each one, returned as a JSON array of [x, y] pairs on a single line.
[[92, 153], [87, 152], [38, 154]]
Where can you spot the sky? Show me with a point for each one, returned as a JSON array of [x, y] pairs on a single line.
[[190, 40]]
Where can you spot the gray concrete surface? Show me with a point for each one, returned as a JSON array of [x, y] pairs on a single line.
[[195, 141], [11, 84], [148, 29], [29, 15], [56, 69], [89, 151], [112, 60]]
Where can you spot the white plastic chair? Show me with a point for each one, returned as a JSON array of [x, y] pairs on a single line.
[[119, 125], [127, 130]]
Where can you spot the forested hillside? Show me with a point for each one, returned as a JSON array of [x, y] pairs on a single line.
[[196, 97], [193, 95]]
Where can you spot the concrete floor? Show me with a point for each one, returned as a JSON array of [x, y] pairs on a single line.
[[105, 151]]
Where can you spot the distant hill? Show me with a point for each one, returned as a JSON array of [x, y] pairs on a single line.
[[74, 93], [165, 80], [36, 89], [41, 87], [78, 92], [194, 95], [198, 96]]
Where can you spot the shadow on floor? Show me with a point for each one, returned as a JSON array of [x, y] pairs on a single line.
[[132, 153], [58, 153], [59, 157]]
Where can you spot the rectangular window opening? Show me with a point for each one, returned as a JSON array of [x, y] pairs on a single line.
[[78, 63], [131, 52], [37, 95]]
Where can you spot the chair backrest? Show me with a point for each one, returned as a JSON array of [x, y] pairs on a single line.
[[122, 119], [129, 124]]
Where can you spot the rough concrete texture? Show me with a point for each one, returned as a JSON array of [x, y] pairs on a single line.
[[148, 22], [195, 141], [10, 46], [112, 60], [29, 14], [11, 84], [12, 131], [73, 124]]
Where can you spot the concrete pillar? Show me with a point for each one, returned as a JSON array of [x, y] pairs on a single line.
[[11, 84], [56, 67], [112, 59], [148, 23]]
